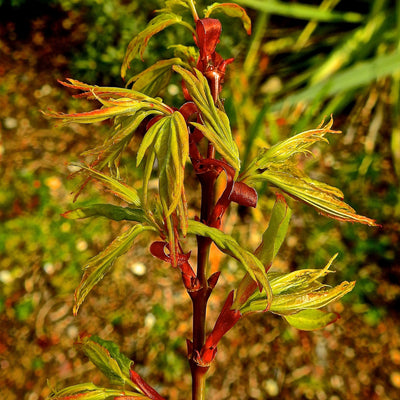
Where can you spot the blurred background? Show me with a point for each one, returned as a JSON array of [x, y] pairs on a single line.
[[304, 61]]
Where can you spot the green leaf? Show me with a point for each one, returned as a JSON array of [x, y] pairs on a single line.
[[168, 140], [155, 78], [109, 211], [286, 150], [110, 151], [138, 44], [298, 290], [88, 391], [215, 125], [274, 235], [289, 303], [105, 355], [231, 9], [276, 167], [99, 265], [125, 192], [301, 11], [227, 244], [271, 242], [309, 320], [322, 197]]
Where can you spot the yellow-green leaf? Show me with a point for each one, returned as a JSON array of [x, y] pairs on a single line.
[[215, 126], [99, 265], [125, 192], [155, 78], [139, 43], [231, 9], [229, 245], [310, 320]]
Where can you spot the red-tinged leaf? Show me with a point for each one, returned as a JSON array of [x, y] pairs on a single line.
[[208, 31], [138, 45], [244, 195], [310, 320], [105, 355], [88, 391], [232, 10], [120, 189], [155, 78], [99, 265]]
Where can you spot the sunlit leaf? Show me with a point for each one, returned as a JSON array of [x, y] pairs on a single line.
[[309, 320], [274, 235], [139, 43], [231, 9], [168, 140], [125, 192], [99, 265], [109, 211], [105, 355], [110, 151], [286, 150], [230, 246], [155, 78], [88, 391], [215, 127], [298, 290], [276, 166], [271, 242], [189, 54], [322, 197]]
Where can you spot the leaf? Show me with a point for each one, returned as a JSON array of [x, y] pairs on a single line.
[[274, 235], [231, 9], [215, 125], [287, 149], [301, 11], [109, 211], [271, 242], [227, 244], [309, 320], [125, 192], [155, 78], [276, 167], [168, 140], [105, 355], [289, 303], [110, 151], [322, 197], [99, 265], [88, 391], [298, 290], [138, 44]]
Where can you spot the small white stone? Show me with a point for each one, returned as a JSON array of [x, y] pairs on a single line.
[[138, 268], [271, 387], [149, 320], [10, 123], [49, 268], [6, 277]]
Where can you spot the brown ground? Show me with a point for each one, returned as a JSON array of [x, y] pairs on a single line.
[[262, 358]]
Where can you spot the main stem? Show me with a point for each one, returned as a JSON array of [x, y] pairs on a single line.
[[200, 298]]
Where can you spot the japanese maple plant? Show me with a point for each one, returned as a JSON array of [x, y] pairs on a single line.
[[198, 132]]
